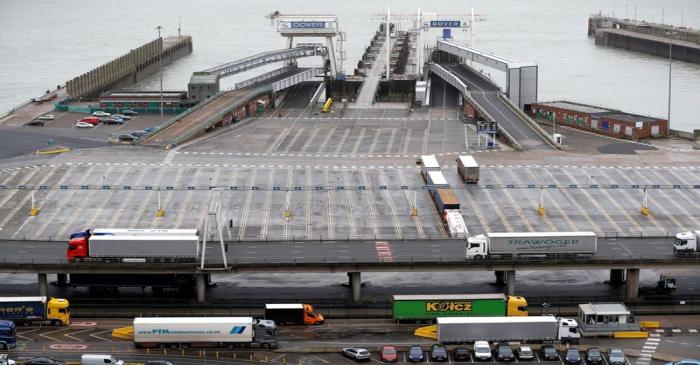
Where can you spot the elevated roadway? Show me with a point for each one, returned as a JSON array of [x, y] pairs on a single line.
[[488, 98], [248, 63]]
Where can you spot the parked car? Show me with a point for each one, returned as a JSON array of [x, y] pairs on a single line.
[[572, 356], [616, 357], [482, 351], [460, 354], [100, 113], [47, 117], [43, 361], [126, 138], [415, 353], [129, 112], [91, 120], [138, 134], [84, 125], [525, 353], [121, 116], [504, 352], [357, 353], [158, 362], [37, 123], [389, 354], [5, 361], [593, 356], [549, 353], [438, 353], [113, 120]]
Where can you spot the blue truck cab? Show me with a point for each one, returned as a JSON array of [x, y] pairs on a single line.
[[8, 335]]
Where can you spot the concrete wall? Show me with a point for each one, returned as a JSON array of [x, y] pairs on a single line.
[[657, 47], [129, 68]]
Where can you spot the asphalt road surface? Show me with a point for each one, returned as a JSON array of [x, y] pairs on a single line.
[[23, 141]]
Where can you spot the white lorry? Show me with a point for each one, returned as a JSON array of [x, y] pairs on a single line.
[[514, 244], [455, 224], [468, 169], [455, 330], [687, 243], [428, 163], [205, 332]]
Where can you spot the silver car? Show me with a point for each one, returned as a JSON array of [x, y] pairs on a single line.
[[357, 353], [616, 357]]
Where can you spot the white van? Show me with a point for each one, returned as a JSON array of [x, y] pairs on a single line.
[[95, 359]]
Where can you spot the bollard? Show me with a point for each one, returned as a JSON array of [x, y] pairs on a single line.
[[287, 214], [414, 212]]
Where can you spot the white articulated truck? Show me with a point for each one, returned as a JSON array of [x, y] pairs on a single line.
[[512, 244], [468, 169], [687, 243], [205, 332], [455, 330], [428, 163]]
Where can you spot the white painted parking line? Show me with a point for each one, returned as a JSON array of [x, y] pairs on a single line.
[[97, 335], [243, 220]]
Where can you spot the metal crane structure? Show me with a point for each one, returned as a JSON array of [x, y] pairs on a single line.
[[314, 26]]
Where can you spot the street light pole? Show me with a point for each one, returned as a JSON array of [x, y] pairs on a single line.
[[670, 59], [160, 68]]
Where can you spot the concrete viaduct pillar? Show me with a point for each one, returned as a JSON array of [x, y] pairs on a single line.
[[500, 277], [355, 285], [43, 285], [201, 288], [510, 282], [617, 277], [632, 288]]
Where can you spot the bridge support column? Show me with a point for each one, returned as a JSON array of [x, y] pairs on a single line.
[[43, 285], [510, 282], [61, 279], [500, 277], [201, 288], [355, 285], [617, 277], [632, 289]]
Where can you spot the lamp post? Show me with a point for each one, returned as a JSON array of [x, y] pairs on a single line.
[[160, 69], [670, 59]]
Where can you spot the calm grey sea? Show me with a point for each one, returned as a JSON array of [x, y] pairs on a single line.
[[46, 42]]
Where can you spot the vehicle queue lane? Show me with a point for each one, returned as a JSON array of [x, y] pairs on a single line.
[[635, 251]]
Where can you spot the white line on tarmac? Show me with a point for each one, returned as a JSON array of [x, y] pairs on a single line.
[[95, 335]]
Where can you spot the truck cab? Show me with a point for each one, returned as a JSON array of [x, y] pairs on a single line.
[[310, 315], [477, 247], [517, 306], [686, 242], [8, 335], [77, 248], [568, 330], [58, 310]]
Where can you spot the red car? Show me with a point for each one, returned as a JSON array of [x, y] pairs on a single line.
[[91, 120], [389, 354]]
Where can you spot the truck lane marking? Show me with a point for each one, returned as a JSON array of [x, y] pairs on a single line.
[[187, 201], [575, 203], [329, 206], [375, 140], [387, 197], [308, 206], [687, 194], [294, 139], [412, 204], [599, 208], [168, 197], [25, 200], [243, 220], [516, 207], [329, 135], [136, 219], [351, 215], [550, 199], [265, 221], [104, 201], [341, 143], [204, 208], [310, 139], [370, 205]]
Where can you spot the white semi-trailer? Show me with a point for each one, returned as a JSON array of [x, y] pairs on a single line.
[[468, 169], [454, 330], [687, 243], [205, 332], [513, 244]]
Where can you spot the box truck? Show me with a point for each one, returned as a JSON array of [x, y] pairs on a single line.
[[468, 169], [296, 313], [35, 310], [133, 248], [110, 283], [513, 244], [8, 335], [428, 163], [686, 243], [204, 332], [425, 308], [455, 330]]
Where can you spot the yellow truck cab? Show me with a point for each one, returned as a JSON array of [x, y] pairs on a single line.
[[29, 310], [58, 309], [517, 306], [310, 315]]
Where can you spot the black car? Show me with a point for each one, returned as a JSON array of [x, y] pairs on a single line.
[[438, 353], [158, 362], [43, 361], [415, 354], [572, 356], [504, 352], [593, 356], [548, 353], [129, 112], [460, 354]]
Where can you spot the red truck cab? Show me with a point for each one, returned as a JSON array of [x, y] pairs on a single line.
[[77, 248]]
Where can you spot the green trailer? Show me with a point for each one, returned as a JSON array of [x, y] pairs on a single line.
[[429, 307]]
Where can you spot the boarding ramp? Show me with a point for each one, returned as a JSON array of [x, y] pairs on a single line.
[[519, 129], [261, 59]]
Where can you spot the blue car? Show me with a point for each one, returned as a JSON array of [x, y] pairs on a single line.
[[415, 354], [685, 362]]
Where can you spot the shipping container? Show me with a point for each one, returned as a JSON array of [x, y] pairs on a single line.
[[445, 199], [468, 169]]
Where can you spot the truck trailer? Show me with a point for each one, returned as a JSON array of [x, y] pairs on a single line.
[[513, 244], [133, 248], [295, 313], [687, 243], [35, 310], [8, 335], [204, 332], [425, 308], [134, 232], [468, 169], [456, 330], [455, 224], [110, 283], [428, 163]]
